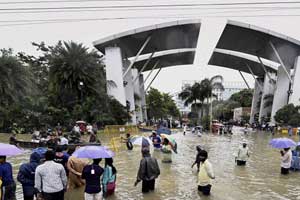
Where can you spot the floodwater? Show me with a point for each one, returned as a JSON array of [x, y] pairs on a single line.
[[260, 179]]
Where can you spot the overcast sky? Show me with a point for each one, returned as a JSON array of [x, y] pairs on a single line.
[[103, 23]]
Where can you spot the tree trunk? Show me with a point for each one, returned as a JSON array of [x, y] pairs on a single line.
[[207, 106]]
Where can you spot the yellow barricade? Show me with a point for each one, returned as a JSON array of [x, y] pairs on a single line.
[[121, 129], [115, 144]]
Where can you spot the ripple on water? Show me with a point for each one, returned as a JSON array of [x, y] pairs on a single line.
[[259, 179]]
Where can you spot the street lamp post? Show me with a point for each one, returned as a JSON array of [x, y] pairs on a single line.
[[81, 91]]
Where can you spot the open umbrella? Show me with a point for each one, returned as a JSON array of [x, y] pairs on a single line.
[[93, 152], [171, 140], [281, 143], [9, 150], [141, 141], [41, 151], [163, 130], [80, 122]]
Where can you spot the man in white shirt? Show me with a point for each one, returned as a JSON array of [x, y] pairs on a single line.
[[76, 128], [243, 154], [64, 140], [286, 160], [89, 128], [50, 178]]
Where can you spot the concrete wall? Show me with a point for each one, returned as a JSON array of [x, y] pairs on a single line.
[[268, 88], [129, 91], [114, 72], [295, 97], [143, 96], [137, 91], [281, 92], [256, 98]]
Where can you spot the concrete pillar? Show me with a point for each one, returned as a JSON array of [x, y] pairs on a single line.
[[143, 97], [137, 91], [255, 99], [268, 88], [295, 97], [281, 92], [114, 72], [129, 91]]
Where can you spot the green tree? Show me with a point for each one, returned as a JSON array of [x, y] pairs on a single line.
[[170, 106], [244, 97], [155, 107], [192, 95], [15, 79], [224, 110], [288, 115], [160, 105], [15, 86], [75, 73]]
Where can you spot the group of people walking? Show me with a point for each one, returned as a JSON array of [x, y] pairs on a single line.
[[48, 176]]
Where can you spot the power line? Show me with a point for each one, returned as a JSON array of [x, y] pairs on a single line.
[[36, 22], [204, 4], [67, 1], [147, 6], [230, 9]]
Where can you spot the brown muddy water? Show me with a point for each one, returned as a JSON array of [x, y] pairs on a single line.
[[260, 179]]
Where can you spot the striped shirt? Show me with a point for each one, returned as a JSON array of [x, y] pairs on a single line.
[[50, 177]]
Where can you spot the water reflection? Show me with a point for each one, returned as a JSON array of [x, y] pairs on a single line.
[[260, 179]]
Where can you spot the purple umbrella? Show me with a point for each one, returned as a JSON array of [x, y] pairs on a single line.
[[281, 143], [93, 152], [9, 150]]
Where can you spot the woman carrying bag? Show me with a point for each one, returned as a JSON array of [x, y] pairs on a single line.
[[109, 178]]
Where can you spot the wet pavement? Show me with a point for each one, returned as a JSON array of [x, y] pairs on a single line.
[[259, 179]]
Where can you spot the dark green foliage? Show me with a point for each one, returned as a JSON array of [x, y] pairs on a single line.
[[42, 91], [244, 97], [197, 93], [288, 115], [160, 105]]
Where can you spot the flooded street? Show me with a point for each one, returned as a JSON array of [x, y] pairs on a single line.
[[260, 179]]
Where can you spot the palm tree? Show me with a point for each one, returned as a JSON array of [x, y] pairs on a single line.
[[75, 73], [191, 95], [208, 85]]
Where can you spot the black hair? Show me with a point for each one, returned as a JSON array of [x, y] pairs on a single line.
[[286, 149], [71, 150], [96, 161], [109, 162], [166, 141], [203, 153], [49, 155], [3, 157], [128, 135], [198, 148], [59, 149]]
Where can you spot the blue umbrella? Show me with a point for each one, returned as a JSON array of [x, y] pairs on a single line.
[[93, 152], [41, 151], [163, 130], [281, 143], [9, 150]]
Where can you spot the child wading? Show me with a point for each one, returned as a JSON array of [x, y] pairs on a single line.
[[243, 154], [109, 178], [205, 173], [167, 151]]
